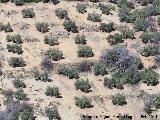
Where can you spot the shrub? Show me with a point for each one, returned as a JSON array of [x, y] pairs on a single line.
[[99, 69], [20, 95], [146, 37], [122, 3], [52, 91], [28, 13], [7, 28], [158, 20], [113, 83], [27, 115], [113, 1], [107, 27], [15, 39], [150, 77], [81, 8], [80, 39], [15, 48], [60, 13], [42, 27], [83, 85], [140, 24], [85, 117], [4, 1], [83, 102], [69, 72], [85, 51], [94, 17], [150, 50], [128, 34], [94, 1], [119, 99], [1, 26], [19, 83], [145, 2], [152, 10], [119, 57], [26, 112], [115, 39], [105, 9], [16, 62], [18, 2], [42, 77], [84, 66], [51, 40], [47, 64], [55, 54], [157, 101], [70, 26], [126, 15], [55, 1], [52, 113], [155, 37]]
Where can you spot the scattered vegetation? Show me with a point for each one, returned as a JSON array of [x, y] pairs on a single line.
[[61, 13], [54, 54], [51, 40], [42, 27], [80, 39], [81, 8], [19, 83], [94, 17], [83, 85], [52, 91], [69, 72], [52, 113], [115, 39], [100, 69], [16, 62], [28, 13], [83, 102], [20, 95], [119, 99], [107, 27], [85, 51], [15, 48]]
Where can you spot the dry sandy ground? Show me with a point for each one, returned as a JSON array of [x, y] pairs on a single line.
[[33, 54]]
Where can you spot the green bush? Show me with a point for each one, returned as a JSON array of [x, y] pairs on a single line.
[[100, 69], [54, 54], [119, 99], [26, 112], [85, 51], [52, 113], [69, 72], [15, 48], [122, 3], [83, 85], [70, 26], [150, 50], [146, 37], [18, 2], [27, 115], [81, 8], [42, 77], [157, 101], [19, 83], [94, 1], [83, 102], [14, 38], [4, 1], [16, 62], [80, 39], [7, 28], [42, 27], [28, 13], [1, 26], [52, 91], [128, 34], [107, 27], [94, 17], [20, 95], [105, 9], [141, 24], [113, 83], [61, 13], [115, 39], [126, 15], [150, 77], [145, 2], [51, 40], [158, 20], [85, 117]]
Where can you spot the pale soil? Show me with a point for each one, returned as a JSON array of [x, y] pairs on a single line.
[[33, 54]]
